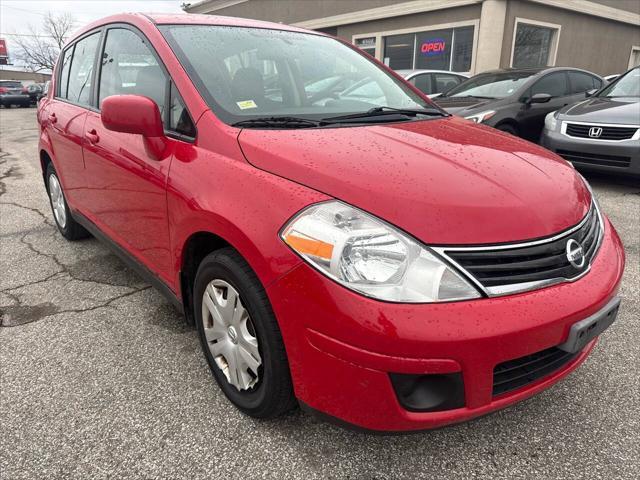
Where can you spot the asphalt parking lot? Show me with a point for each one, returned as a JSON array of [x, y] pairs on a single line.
[[101, 378]]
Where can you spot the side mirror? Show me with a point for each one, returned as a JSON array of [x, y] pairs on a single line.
[[540, 98], [137, 115], [589, 93]]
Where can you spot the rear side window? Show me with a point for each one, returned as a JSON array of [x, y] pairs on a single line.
[[65, 63], [81, 70], [423, 83], [130, 68], [554, 84], [444, 81], [581, 82]]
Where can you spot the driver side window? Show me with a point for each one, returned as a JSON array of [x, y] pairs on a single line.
[[129, 67], [554, 84]]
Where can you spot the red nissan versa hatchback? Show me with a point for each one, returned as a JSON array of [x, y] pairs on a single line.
[[381, 262]]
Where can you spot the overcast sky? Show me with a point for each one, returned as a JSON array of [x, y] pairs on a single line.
[[17, 15]]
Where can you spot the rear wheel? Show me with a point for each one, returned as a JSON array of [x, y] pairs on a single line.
[[68, 227], [240, 336]]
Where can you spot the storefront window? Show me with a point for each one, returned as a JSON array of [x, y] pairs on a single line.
[[398, 51], [433, 49], [367, 45], [532, 46], [462, 49], [446, 49]]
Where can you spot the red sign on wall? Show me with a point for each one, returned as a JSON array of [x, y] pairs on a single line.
[[3, 47], [435, 46]]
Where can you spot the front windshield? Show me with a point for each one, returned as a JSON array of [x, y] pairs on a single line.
[[247, 73], [626, 86], [490, 85]]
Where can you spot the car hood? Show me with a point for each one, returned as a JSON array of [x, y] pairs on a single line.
[[463, 106], [623, 110], [444, 181]]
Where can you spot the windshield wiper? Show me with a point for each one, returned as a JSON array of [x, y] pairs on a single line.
[[277, 122], [383, 111], [468, 96]]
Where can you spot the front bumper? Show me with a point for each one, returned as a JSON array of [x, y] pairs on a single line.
[[621, 157], [342, 346]]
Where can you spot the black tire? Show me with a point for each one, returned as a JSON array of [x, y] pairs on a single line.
[[72, 230], [506, 128], [273, 394]]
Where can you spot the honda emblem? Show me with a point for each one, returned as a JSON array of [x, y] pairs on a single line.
[[595, 132]]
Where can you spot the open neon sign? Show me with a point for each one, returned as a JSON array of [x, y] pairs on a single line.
[[433, 47]]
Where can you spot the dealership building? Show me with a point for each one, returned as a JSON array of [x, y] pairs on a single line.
[[467, 36]]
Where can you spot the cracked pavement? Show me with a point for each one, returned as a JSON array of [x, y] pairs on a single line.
[[101, 378]]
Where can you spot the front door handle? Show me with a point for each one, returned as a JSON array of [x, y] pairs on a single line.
[[92, 136]]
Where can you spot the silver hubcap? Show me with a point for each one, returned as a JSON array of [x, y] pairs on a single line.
[[230, 335], [57, 201]]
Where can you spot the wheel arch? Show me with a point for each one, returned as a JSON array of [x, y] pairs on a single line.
[[510, 122], [196, 247], [45, 160]]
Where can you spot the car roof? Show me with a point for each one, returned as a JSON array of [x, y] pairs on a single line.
[[415, 71], [536, 70], [138, 18]]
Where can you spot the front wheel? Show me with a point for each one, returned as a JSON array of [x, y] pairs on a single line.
[[240, 336]]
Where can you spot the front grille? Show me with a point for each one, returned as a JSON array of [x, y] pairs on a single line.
[[506, 269], [517, 373], [608, 133], [595, 158]]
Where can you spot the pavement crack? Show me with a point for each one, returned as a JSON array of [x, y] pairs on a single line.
[[63, 268], [21, 314], [44, 217], [35, 282], [106, 304]]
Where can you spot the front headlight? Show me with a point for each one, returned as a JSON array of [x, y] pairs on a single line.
[[482, 116], [367, 255], [551, 120]]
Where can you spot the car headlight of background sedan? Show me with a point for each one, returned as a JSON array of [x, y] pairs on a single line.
[[482, 116], [551, 120], [367, 255]]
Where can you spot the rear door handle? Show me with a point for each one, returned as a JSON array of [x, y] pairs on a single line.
[[92, 136], [53, 118]]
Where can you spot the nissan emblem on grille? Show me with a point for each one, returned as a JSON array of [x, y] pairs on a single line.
[[595, 132], [575, 253]]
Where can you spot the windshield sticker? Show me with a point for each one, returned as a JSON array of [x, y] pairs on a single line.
[[245, 104]]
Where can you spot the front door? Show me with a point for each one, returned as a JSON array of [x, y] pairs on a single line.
[[531, 115], [127, 188]]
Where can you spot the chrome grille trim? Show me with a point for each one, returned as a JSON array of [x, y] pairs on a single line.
[[566, 123], [511, 288]]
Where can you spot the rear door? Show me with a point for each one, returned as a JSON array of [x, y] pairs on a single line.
[[66, 114], [531, 115], [127, 188]]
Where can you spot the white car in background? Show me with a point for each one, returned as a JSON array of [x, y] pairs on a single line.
[[432, 82]]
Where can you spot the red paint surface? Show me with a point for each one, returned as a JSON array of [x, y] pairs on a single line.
[[444, 181]]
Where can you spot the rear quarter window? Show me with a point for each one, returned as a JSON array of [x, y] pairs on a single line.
[[582, 82]]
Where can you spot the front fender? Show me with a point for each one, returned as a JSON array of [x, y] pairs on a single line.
[[237, 202]]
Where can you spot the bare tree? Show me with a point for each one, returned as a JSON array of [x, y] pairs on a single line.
[[40, 49]]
